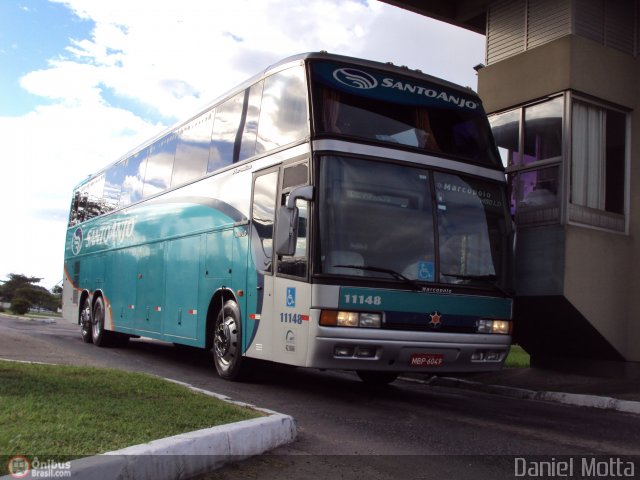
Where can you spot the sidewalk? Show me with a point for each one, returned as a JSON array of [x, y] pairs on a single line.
[[610, 393]]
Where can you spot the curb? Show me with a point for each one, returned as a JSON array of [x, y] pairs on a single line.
[[188, 454], [181, 456], [571, 399]]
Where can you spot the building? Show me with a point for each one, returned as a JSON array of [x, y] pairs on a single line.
[[561, 85]]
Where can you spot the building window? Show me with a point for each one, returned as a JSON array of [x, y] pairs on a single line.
[[531, 144], [529, 140], [598, 165]]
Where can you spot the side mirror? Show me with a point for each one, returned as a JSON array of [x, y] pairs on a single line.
[[287, 221]]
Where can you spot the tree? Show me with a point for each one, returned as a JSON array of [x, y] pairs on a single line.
[[24, 288], [20, 305], [16, 281]]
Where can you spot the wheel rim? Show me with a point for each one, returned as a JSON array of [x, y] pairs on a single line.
[[226, 340], [97, 321], [85, 319]]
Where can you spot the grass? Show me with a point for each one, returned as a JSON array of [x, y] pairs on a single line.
[[517, 358], [64, 412]]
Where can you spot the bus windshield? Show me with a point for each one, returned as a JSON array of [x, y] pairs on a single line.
[[383, 220], [390, 109]]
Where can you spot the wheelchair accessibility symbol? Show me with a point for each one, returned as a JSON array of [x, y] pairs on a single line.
[[291, 297]]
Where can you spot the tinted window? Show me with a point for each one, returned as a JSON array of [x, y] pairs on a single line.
[[376, 215], [113, 186], [192, 152], [471, 239], [160, 165], [248, 144], [225, 130], [384, 107], [134, 168], [283, 116], [264, 205]]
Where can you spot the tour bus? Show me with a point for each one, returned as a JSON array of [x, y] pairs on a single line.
[[331, 212]]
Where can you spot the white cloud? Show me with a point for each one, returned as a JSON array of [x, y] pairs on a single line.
[[167, 59]]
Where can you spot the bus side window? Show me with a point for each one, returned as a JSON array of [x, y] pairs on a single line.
[[263, 218], [75, 204], [192, 151], [248, 140], [225, 131], [157, 176], [283, 115]]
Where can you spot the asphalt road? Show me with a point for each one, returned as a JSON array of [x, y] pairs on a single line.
[[348, 430]]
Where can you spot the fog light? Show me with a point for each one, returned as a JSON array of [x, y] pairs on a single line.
[[493, 356], [366, 352], [477, 356], [342, 351]]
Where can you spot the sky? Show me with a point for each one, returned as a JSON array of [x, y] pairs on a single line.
[[82, 82]]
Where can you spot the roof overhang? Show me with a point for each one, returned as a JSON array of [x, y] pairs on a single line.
[[468, 14]]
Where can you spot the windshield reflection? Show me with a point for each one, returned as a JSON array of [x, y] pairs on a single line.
[[377, 220]]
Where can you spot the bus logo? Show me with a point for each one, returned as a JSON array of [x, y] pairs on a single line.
[[355, 78], [76, 241], [291, 297]]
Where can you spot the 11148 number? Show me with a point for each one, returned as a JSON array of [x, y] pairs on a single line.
[[363, 299]]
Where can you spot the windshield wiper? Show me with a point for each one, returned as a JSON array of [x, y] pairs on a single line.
[[388, 271], [489, 279]]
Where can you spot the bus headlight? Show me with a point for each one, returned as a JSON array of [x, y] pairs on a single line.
[[333, 318], [502, 327]]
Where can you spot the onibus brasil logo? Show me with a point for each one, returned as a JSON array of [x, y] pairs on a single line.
[[352, 77], [20, 467]]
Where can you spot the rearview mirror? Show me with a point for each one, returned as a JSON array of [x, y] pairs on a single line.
[[287, 221]]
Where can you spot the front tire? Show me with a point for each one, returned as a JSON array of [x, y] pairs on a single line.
[[85, 321], [99, 335], [227, 343]]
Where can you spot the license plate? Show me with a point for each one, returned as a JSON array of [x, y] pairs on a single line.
[[426, 360]]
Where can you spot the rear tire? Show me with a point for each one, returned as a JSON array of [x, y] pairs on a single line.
[[377, 378], [227, 343], [85, 321], [99, 335]]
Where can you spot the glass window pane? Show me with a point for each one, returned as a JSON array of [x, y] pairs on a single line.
[[90, 199], [471, 229], [615, 161], [248, 142], [543, 131], [160, 165], [113, 186], [134, 169], [534, 195], [263, 215], [506, 131], [383, 108], [283, 115], [225, 131], [192, 152], [369, 209], [587, 156]]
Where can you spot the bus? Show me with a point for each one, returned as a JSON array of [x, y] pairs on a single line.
[[330, 212]]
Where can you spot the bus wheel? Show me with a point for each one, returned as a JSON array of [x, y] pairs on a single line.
[[377, 378], [99, 336], [85, 321], [227, 342]]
